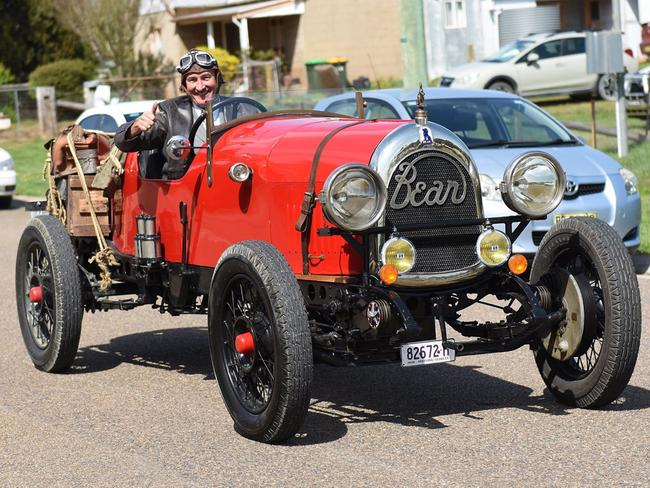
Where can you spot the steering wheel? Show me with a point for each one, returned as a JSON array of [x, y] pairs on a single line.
[[236, 102]]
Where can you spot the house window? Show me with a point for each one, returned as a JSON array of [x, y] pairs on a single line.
[[455, 16]]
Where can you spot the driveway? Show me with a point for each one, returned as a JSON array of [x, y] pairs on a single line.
[[141, 408]]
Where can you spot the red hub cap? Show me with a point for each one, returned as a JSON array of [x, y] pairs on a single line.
[[244, 344], [36, 294]]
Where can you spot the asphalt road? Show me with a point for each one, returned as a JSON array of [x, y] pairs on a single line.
[[141, 408]]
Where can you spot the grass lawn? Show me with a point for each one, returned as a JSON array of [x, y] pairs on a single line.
[[29, 154]]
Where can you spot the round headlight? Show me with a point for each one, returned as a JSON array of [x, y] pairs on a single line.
[[533, 184], [399, 252], [353, 197], [630, 181], [489, 189], [493, 247]]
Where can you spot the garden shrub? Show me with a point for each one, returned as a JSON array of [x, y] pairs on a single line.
[[6, 76], [66, 76]]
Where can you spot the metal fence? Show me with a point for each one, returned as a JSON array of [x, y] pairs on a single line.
[[18, 104], [268, 92], [295, 98], [19, 108]]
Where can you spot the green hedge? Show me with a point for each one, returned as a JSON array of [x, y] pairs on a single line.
[[66, 76], [5, 75]]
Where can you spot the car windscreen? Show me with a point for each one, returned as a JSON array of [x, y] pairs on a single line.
[[132, 116], [506, 53], [496, 122]]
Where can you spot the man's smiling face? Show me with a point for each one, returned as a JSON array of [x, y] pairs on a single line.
[[201, 86]]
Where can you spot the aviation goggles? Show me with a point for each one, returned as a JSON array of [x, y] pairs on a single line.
[[203, 59]]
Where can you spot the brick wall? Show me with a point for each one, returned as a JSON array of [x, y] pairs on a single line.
[[366, 32]]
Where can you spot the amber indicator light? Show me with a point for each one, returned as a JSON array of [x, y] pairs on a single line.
[[518, 263], [388, 274]]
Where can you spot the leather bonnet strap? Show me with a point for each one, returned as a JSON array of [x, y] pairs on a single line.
[[303, 224]]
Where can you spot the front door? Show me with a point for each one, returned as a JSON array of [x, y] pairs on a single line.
[[544, 75]]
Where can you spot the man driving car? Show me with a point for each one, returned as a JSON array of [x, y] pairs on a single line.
[[201, 80]]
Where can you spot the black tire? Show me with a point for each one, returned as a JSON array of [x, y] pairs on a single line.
[[593, 253], [606, 87], [50, 326], [501, 85], [5, 202], [267, 392]]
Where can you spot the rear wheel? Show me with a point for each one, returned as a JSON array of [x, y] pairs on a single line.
[[588, 359], [607, 87], [260, 343], [48, 294]]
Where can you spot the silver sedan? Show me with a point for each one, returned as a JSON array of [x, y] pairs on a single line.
[[497, 127]]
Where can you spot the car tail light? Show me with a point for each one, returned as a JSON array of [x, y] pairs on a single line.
[[629, 52]]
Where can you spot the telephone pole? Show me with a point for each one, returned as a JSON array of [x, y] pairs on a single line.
[[414, 60], [621, 115]]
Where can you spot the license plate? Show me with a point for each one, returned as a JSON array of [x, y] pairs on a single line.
[[562, 216], [426, 352]]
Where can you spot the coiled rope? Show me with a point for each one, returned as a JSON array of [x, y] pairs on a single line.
[[104, 257]]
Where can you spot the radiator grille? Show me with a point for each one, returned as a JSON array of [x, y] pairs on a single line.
[[438, 249], [586, 189]]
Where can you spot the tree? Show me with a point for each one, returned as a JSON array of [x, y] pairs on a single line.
[[31, 35], [108, 27]]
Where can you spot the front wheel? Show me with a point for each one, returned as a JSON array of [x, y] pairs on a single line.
[[48, 294], [500, 85], [260, 343], [588, 359]]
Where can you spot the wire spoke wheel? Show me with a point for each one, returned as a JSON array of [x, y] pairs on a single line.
[[251, 375], [48, 294], [588, 359], [259, 342], [39, 313]]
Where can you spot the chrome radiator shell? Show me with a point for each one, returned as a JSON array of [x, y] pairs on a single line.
[[403, 145]]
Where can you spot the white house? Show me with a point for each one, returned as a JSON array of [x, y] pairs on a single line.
[[460, 31]]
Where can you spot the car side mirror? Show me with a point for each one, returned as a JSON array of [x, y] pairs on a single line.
[[177, 148], [532, 58]]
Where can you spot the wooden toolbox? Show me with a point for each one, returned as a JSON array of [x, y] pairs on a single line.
[[79, 220]]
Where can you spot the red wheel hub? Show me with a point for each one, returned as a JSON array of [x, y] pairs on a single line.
[[36, 294], [245, 344]]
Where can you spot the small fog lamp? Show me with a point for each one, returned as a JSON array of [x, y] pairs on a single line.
[[399, 252], [518, 264], [239, 172], [388, 274], [493, 247]]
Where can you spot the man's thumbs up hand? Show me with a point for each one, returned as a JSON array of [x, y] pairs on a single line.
[[144, 123]]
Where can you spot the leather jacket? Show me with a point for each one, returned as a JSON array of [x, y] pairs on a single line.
[[173, 117]]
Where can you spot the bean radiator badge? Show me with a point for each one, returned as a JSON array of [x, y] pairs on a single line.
[[409, 191]]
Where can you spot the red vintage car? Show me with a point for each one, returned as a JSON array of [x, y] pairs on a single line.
[[310, 236]]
